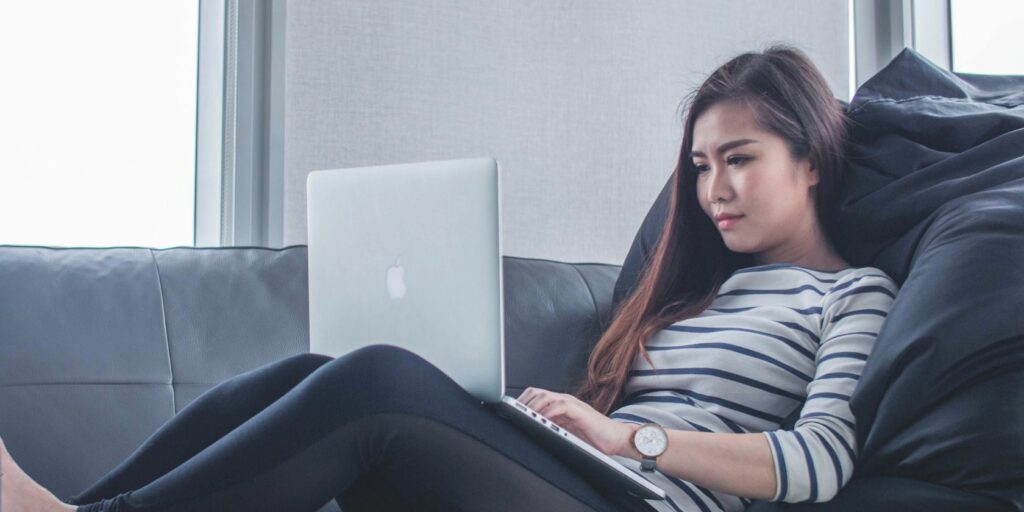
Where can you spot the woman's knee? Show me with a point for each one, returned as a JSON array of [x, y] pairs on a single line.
[[288, 369], [306, 360], [381, 358], [380, 370], [383, 355]]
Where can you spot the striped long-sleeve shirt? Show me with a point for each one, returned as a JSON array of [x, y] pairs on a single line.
[[777, 338]]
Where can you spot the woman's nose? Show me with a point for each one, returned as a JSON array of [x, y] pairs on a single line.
[[717, 186]]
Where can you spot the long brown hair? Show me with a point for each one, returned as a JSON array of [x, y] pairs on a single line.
[[791, 99]]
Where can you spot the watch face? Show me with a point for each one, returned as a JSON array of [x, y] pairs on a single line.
[[650, 440]]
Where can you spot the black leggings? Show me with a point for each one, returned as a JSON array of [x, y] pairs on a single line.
[[379, 428]]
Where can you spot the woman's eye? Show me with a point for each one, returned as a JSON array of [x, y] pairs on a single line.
[[736, 160]]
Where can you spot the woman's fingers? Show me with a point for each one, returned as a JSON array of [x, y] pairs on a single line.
[[532, 396], [558, 407], [527, 395], [540, 399], [539, 402], [546, 405], [555, 407]]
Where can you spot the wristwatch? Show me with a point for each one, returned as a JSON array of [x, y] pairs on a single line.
[[651, 441]]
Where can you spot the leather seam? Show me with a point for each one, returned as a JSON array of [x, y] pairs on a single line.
[[167, 338], [593, 300]]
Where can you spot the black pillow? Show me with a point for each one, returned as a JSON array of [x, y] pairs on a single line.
[[935, 198]]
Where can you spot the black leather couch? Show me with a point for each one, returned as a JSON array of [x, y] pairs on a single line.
[[99, 347]]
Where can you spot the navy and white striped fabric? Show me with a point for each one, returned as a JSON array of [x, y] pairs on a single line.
[[778, 338]]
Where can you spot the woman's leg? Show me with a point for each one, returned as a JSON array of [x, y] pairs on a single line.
[[206, 419], [439, 467], [379, 412]]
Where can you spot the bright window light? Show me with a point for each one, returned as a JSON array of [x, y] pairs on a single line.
[[98, 125], [987, 37]]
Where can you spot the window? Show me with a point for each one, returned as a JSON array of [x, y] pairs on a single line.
[[98, 125], [986, 36]]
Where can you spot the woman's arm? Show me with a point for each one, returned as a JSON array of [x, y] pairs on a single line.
[[737, 464]]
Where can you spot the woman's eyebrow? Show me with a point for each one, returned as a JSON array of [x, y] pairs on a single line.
[[725, 147]]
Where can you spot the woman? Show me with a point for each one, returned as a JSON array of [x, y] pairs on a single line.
[[734, 324]]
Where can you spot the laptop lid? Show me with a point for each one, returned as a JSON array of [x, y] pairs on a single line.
[[410, 255]]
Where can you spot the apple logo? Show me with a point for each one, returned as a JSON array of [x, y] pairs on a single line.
[[396, 279]]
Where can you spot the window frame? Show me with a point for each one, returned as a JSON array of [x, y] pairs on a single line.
[[240, 124], [882, 28]]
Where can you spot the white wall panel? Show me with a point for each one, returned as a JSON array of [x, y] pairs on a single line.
[[578, 100]]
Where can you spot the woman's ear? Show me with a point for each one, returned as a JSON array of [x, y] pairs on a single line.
[[812, 175]]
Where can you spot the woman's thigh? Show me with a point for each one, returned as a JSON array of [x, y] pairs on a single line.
[[429, 465], [382, 379]]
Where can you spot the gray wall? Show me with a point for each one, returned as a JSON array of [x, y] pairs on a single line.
[[578, 100]]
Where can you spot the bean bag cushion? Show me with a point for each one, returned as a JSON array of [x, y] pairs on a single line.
[[935, 198]]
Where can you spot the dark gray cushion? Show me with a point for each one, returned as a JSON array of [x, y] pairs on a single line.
[[553, 316], [231, 310], [937, 201], [84, 372]]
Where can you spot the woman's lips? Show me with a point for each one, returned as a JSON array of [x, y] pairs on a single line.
[[728, 223]]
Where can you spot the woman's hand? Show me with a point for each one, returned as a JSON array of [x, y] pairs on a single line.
[[607, 435]]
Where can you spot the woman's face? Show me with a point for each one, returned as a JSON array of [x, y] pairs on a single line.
[[757, 180]]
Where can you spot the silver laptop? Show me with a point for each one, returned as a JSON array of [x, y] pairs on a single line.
[[410, 255]]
